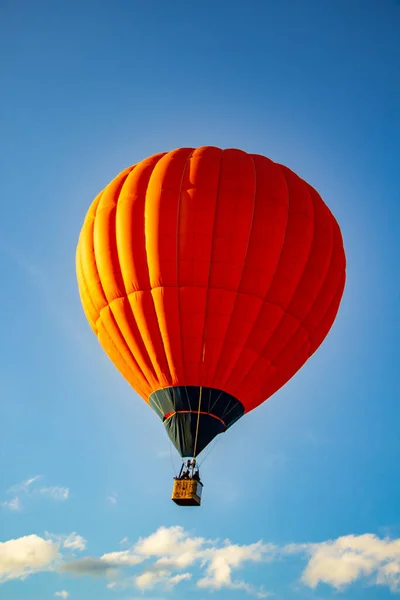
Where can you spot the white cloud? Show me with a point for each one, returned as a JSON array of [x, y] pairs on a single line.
[[175, 579], [71, 541], [148, 579], [152, 577], [169, 552], [62, 594], [177, 550], [26, 555], [389, 574], [221, 562], [74, 542], [55, 492], [24, 486], [335, 562], [29, 487], [126, 558], [342, 561], [29, 482], [13, 504], [171, 556], [173, 545], [174, 549]]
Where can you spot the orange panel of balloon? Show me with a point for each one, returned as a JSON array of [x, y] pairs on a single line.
[[209, 277]]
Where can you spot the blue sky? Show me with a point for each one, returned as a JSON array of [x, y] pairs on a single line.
[[306, 488]]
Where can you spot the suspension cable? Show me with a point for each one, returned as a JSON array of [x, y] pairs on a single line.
[[198, 421], [172, 459], [210, 449]]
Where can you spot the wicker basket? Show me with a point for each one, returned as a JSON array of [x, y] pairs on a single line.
[[187, 492]]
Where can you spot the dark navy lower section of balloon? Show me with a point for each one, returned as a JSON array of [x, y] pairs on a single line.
[[186, 410]]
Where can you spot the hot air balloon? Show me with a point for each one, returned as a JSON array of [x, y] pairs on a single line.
[[209, 277]]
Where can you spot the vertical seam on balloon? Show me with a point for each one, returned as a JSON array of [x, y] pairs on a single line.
[[269, 287], [341, 283], [332, 301], [328, 271], [301, 276], [154, 304], [299, 282], [187, 162], [119, 352], [285, 233], [133, 374], [155, 372], [275, 329], [241, 273], [309, 337], [161, 345], [110, 338], [108, 304], [203, 340], [311, 249], [157, 320], [301, 323], [94, 249]]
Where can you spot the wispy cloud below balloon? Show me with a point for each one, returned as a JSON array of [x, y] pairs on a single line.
[[31, 487], [350, 558], [172, 557]]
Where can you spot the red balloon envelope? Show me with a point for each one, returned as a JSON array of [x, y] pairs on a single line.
[[209, 277]]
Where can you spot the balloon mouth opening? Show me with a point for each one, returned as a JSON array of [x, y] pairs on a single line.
[[194, 415]]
